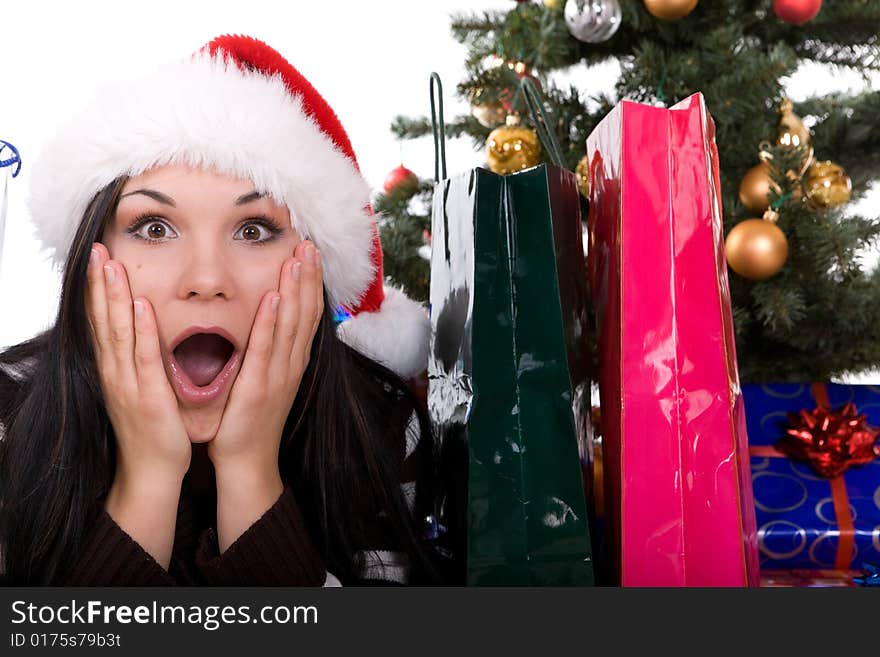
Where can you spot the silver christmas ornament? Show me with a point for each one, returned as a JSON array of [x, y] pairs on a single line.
[[592, 21]]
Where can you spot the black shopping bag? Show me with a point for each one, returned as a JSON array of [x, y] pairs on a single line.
[[509, 370]]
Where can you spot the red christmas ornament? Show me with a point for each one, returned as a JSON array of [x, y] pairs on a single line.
[[831, 441], [401, 180], [507, 96], [797, 12]]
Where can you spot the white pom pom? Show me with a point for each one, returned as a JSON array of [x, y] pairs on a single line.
[[396, 336]]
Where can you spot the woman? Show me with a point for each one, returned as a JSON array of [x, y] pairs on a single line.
[[195, 416]]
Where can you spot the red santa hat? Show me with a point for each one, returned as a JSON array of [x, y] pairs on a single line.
[[239, 108]]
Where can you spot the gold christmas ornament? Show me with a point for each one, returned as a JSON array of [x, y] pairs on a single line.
[[512, 147], [553, 4], [582, 170], [827, 184], [756, 248], [754, 188], [792, 131], [489, 114], [670, 10], [794, 134]]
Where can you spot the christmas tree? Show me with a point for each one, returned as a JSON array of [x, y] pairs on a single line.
[[806, 310]]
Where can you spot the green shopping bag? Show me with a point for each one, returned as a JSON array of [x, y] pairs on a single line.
[[509, 384]]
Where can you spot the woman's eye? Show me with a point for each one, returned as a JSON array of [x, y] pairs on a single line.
[[253, 232], [155, 231]]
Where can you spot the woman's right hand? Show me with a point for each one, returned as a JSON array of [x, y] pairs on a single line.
[[150, 435], [153, 449]]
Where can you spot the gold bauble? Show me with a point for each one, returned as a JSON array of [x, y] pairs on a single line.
[[794, 134], [582, 170], [754, 188], [553, 4], [512, 147], [670, 10], [756, 248], [792, 131], [827, 184], [489, 115]]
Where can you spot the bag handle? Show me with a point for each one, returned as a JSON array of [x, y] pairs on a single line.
[[535, 103], [14, 160], [439, 141]]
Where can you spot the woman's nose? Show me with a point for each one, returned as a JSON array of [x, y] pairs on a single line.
[[206, 276]]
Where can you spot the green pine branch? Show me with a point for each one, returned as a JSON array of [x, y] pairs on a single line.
[[820, 315], [404, 218]]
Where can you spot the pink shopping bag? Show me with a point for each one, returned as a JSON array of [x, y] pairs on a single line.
[[677, 483]]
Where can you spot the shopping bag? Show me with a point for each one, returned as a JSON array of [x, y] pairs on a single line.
[[678, 496], [10, 161], [509, 384]]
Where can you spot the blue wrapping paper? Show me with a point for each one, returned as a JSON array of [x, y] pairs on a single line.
[[797, 525]]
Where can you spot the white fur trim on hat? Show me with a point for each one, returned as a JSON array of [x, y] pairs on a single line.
[[396, 335], [207, 113]]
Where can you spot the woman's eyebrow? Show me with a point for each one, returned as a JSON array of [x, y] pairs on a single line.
[[248, 198], [153, 194]]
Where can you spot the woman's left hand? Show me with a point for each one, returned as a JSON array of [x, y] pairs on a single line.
[[278, 350]]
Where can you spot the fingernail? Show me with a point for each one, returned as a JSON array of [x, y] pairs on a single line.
[[93, 258], [109, 274], [295, 270], [273, 305], [317, 258], [139, 308], [310, 253]]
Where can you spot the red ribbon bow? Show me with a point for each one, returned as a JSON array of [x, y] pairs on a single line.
[[831, 441]]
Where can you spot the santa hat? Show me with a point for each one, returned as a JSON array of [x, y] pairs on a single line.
[[239, 108]]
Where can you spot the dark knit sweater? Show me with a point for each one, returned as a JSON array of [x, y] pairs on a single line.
[[110, 557], [276, 550]]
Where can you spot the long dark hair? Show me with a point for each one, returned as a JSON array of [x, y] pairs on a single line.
[[57, 453]]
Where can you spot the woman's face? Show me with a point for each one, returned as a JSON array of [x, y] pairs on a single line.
[[203, 248]]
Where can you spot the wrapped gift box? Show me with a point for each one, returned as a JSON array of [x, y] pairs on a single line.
[[806, 578], [806, 521]]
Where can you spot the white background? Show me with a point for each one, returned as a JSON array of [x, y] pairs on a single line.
[[370, 60]]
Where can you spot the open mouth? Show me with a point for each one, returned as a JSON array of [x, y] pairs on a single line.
[[203, 356], [202, 364]]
